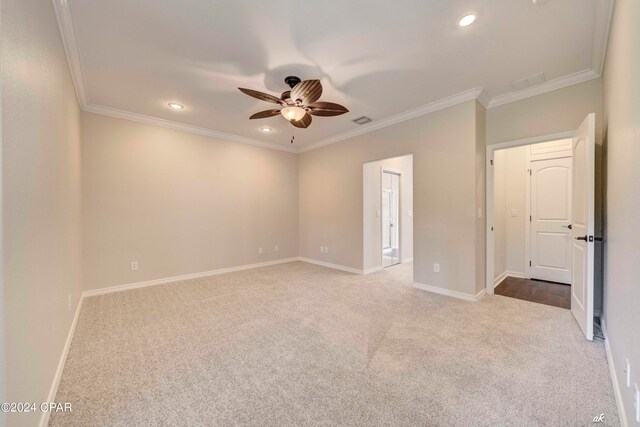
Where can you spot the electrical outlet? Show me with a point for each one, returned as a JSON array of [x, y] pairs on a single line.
[[276, 248], [69, 303], [259, 250], [134, 266], [436, 268], [627, 372]]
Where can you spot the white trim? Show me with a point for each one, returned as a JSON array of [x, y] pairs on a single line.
[[489, 192], [515, 274], [551, 85], [614, 377], [527, 212], [68, 36], [450, 293], [334, 266], [141, 118], [120, 288], [407, 260], [44, 418], [484, 98], [371, 270], [441, 104], [499, 279]]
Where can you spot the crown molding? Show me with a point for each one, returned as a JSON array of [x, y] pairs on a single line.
[[399, 118], [484, 98], [603, 17], [551, 85], [141, 118], [68, 36]]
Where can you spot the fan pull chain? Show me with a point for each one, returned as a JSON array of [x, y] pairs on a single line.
[[292, 136]]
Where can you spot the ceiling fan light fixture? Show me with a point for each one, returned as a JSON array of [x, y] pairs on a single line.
[[293, 113]]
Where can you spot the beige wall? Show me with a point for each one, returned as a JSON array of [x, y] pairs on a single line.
[[552, 112], [443, 145], [372, 237], [41, 205], [622, 146], [515, 186], [510, 193], [179, 203], [481, 199]]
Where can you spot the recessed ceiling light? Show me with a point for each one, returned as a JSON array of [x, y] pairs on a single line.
[[176, 106], [265, 129], [467, 20]]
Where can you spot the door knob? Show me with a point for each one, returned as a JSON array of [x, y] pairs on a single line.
[[582, 238], [568, 226]]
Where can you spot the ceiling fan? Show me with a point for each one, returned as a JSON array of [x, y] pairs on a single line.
[[298, 104]]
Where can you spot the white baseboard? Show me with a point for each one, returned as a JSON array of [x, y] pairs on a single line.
[[614, 377], [515, 274], [330, 265], [372, 270], [499, 279], [44, 418], [450, 293], [164, 280]]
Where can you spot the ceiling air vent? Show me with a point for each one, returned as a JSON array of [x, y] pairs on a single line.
[[536, 79], [362, 120]]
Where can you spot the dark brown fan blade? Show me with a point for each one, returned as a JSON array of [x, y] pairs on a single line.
[[261, 95], [265, 114], [307, 91], [326, 109], [304, 122]]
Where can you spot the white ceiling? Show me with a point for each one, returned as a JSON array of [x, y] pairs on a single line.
[[378, 58]]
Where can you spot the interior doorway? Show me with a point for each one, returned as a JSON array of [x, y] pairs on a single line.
[[387, 213], [532, 222], [558, 221], [391, 219]]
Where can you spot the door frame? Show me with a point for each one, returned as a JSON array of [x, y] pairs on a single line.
[[384, 170], [491, 149]]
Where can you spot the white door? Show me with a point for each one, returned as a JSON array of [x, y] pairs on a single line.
[[550, 221], [583, 210]]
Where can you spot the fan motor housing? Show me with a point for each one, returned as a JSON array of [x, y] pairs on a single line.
[[292, 81]]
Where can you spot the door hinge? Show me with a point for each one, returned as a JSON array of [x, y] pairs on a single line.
[[530, 219], [529, 263], [491, 228], [491, 162], [529, 172]]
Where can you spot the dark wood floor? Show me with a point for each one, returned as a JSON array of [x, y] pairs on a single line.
[[548, 293]]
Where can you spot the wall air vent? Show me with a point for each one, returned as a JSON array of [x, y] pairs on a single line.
[[362, 120]]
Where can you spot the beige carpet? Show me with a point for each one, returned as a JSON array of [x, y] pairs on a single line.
[[298, 344]]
